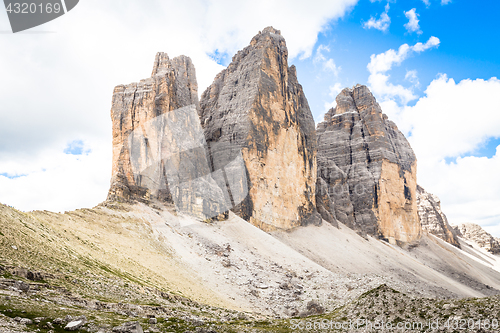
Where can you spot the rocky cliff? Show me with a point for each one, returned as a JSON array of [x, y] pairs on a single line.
[[257, 108], [158, 143], [432, 217], [369, 169], [475, 233]]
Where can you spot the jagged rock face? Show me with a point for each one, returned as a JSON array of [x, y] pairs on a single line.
[[432, 217], [172, 85], [158, 143], [474, 232], [369, 167], [257, 107]]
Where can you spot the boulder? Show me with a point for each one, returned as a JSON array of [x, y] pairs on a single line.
[[128, 327], [76, 323]]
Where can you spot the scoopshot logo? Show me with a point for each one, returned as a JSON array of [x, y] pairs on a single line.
[[170, 152], [25, 15]]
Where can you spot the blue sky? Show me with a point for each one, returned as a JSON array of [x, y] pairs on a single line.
[[469, 47], [438, 80]]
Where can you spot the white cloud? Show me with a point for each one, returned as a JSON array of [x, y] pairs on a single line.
[[381, 63], [453, 120], [470, 109], [57, 181], [432, 42], [57, 87], [445, 2], [382, 23], [381, 86], [427, 2], [469, 189], [412, 77], [333, 92], [319, 57], [412, 25], [450, 121], [328, 64]]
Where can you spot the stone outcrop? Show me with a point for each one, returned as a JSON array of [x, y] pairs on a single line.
[[159, 149], [474, 233], [172, 85], [432, 217], [369, 168], [256, 107]]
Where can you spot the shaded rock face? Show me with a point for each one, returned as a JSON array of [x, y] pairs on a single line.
[[159, 149], [369, 168], [475, 233], [432, 217], [257, 107]]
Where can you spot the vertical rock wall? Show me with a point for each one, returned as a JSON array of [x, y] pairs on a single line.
[[432, 217], [159, 148], [257, 107], [369, 168], [172, 85]]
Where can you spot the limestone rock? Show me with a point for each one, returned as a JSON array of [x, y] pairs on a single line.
[[159, 148], [172, 85], [324, 203], [257, 108], [474, 233], [76, 324], [432, 217], [369, 167], [128, 327]]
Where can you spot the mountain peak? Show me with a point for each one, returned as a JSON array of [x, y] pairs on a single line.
[[257, 106], [369, 169]]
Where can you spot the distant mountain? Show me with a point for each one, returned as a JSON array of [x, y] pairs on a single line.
[[432, 217], [473, 232]]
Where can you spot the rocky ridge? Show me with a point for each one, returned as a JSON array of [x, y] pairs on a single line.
[[432, 217], [366, 169], [259, 153], [256, 109], [473, 232]]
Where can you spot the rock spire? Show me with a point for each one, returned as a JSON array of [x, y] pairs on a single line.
[[369, 169]]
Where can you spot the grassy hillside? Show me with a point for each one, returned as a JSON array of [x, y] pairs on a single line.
[[109, 265]]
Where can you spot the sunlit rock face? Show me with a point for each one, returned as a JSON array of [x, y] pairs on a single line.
[[257, 106], [159, 148], [369, 168], [473, 232], [432, 217]]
